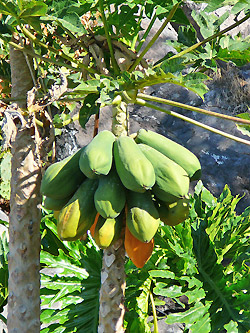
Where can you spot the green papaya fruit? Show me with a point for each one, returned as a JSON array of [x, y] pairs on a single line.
[[55, 204], [96, 158], [172, 181], [110, 195], [177, 153], [77, 216], [62, 179], [174, 213], [107, 231], [134, 169], [142, 216]]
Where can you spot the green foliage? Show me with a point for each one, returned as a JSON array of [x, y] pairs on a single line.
[[206, 259], [70, 282]]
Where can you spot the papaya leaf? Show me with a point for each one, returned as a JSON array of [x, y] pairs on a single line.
[[70, 289], [231, 327], [33, 8], [191, 81], [212, 276], [244, 129], [8, 8], [72, 22], [193, 315]]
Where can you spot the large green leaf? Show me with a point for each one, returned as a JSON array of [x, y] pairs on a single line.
[[70, 282], [195, 316], [33, 8]]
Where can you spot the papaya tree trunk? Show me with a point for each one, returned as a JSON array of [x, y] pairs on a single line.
[[113, 278], [24, 231]]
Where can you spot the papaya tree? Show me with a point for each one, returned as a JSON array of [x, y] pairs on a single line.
[[91, 54]]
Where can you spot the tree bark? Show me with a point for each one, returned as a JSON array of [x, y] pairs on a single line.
[[113, 278], [24, 230]]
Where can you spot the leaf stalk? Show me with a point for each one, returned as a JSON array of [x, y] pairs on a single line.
[[195, 46], [192, 108], [192, 121], [154, 38], [106, 29]]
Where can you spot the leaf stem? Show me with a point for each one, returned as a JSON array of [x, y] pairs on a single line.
[[152, 21], [192, 108], [154, 312], [154, 38], [106, 29], [135, 38], [192, 121], [195, 46]]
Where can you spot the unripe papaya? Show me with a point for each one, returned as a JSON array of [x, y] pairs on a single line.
[[77, 216], [55, 204], [142, 216], [107, 231], [96, 158], [174, 213], [139, 252], [110, 195], [177, 153], [134, 169], [172, 181], [62, 179]]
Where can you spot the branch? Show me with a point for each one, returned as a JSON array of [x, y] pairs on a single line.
[[191, 121]]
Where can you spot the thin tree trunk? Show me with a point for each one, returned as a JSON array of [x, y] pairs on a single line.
[[113, 278], [24, 231]]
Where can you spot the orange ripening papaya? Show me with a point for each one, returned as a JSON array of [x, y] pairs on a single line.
[[137, 251], [92, 229]]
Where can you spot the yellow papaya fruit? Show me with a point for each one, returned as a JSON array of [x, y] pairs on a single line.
[[134, 169], [139, 252], [110, 195], [172, 181], [142, 216], [177, 153], [96, 158], [78, 215], [174, 213], [107, 231], [61, 179]]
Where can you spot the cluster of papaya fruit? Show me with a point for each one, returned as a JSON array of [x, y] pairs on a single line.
[[121, 185]]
